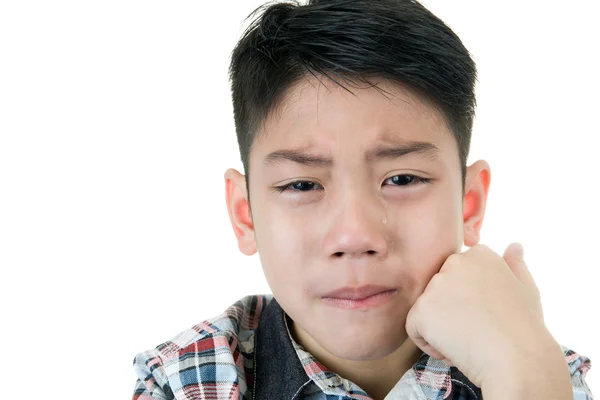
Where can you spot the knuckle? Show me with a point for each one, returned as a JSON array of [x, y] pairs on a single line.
[[453, 258], [480, 247], [453, 261], [435, 280]]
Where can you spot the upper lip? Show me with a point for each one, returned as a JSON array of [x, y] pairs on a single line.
[[357, 293]]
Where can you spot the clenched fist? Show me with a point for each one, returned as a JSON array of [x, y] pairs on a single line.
[[482, 313]]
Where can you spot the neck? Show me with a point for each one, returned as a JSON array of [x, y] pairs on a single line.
[[376, 377]]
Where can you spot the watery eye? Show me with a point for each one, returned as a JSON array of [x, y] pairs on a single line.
[[402, 179], [303, 186], [307, 186], [407, 180], [297, 186]]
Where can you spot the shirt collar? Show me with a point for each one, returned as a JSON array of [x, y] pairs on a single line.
[[283, 368]]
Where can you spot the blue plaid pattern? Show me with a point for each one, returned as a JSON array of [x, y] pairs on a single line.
[[215, 360]]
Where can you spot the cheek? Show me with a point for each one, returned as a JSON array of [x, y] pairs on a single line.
[[435, 229], [280, 238], [282, 232], [428, 235]]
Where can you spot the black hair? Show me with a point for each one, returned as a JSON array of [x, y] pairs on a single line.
[[398, 40]]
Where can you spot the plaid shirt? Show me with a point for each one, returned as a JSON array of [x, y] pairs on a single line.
[[248, 353]]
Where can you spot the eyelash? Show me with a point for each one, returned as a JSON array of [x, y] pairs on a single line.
[[288, 187]]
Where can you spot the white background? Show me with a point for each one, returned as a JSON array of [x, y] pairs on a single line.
[[116, 127]]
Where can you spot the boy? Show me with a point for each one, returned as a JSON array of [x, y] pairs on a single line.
[[353, 121]]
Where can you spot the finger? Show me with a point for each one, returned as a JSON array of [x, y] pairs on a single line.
[[432, 352], [429, 349], [413, 323], [514, 257]]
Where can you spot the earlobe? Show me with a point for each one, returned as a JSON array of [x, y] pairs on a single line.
[[238, 208], [477, 185]]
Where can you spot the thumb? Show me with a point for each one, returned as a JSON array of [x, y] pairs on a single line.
[[514, 257], [514, 252]]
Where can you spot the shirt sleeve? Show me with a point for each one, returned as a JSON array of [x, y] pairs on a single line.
[[579, 365], [151, 383]]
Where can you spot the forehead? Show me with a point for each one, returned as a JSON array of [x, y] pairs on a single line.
[[319, 114]]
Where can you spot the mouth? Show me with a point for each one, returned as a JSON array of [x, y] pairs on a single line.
[[360, 297]]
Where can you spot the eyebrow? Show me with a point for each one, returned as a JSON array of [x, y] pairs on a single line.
[[384, 152]]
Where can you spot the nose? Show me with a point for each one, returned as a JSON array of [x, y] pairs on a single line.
[[357, 230]]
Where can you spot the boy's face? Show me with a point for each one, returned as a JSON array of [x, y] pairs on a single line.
[[351, 223]]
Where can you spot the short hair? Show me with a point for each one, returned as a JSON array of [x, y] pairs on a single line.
[[397, 40]]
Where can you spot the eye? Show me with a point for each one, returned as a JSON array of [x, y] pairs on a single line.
[[297, 186], [307, 186], [407, 180]]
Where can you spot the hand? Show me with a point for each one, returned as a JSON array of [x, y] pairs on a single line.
[[481, 313]]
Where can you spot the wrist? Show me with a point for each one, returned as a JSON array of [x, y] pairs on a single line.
[[537, 373]]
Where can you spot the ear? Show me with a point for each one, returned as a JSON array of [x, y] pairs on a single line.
[[477, 184], [239, 211]]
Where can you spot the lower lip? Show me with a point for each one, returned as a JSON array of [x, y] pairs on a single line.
[[367, 302]]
